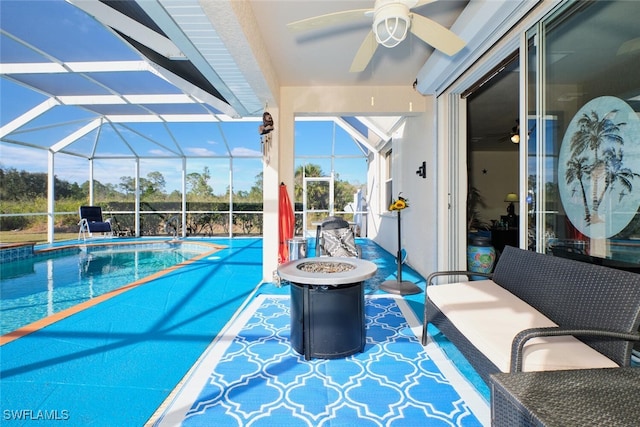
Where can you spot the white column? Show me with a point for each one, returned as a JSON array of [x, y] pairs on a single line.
[[279, 169], [51, 197], [91, 194], [184, 197], [231, 208], [137, 197]]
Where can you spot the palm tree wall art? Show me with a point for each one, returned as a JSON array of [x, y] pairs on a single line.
[[598, 167]]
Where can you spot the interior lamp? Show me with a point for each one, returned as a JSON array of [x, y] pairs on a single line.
[[391, 24], [515, 134], [511, 198]]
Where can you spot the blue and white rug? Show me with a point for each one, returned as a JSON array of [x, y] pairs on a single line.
[[250, 376]]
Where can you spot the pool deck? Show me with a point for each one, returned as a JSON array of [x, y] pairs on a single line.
[[114, 363]]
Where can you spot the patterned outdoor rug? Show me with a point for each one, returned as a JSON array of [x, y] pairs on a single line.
[[250, 376]]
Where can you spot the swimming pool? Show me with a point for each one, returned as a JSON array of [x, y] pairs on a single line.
[[55, 280]]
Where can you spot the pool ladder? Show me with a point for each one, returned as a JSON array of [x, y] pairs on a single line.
[[172, 225]]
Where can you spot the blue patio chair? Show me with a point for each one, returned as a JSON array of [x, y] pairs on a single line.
[[91, 222]]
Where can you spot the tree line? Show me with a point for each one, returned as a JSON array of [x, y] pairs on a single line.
[[20, 186]]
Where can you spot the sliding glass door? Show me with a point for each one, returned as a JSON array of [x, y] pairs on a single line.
[[583, 133]]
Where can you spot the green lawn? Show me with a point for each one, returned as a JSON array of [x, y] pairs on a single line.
[[38, 237]]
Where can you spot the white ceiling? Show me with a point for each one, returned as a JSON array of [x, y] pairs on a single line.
[[323, 57]]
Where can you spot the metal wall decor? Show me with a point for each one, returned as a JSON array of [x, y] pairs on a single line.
[[265, 130]]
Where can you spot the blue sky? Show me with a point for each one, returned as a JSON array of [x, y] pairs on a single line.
[[58, 29]]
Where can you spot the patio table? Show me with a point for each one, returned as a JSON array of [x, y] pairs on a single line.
[[582, 397]]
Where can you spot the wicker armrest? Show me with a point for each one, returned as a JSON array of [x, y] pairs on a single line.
[[456, 273], [520, 340], [430, 282]]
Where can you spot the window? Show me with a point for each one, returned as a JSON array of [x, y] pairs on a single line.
[[388, 184]]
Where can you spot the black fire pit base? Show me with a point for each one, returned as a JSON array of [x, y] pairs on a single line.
[[327, 322]]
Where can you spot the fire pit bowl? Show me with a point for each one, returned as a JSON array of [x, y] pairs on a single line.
[[328, 271], [325, 267]]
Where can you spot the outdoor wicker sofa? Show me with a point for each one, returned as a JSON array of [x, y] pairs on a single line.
[[537, 312]]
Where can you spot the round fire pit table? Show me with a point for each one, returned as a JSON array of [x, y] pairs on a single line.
[[327, 305]]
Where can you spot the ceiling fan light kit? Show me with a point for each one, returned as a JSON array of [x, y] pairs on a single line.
[[392, 21], [391, 24]]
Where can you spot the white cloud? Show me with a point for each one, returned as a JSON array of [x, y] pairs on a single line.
[[158, 152], [200, 151], [245, 152], [20, 158]]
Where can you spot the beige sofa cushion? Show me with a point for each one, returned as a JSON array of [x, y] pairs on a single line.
[[490, 317]]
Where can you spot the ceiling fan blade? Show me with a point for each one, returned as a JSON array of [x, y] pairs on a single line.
[[364, 54], [436, 35], [327, 20], [422, 3]]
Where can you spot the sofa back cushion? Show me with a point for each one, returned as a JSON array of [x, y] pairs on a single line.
[[575, 294]]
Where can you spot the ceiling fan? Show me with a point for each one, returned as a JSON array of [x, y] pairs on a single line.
[[392, 19], [514, 135]]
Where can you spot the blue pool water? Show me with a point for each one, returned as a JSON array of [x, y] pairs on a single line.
[[34, 288]]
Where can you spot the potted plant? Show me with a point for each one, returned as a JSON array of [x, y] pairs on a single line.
[[475, 201]]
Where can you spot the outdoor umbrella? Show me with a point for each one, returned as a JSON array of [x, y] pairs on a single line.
[[286, 224]]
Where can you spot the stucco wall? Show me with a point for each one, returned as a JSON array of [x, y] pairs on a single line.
[[411, 146]]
